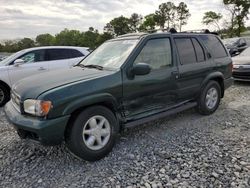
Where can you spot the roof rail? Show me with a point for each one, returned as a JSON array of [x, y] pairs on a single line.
[[201, 31], [131, 35]]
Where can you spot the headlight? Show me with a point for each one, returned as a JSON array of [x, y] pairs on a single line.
[[37, 107], [236, 66]]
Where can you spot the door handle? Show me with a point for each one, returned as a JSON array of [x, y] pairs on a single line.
[[175, 74], [42, 69]]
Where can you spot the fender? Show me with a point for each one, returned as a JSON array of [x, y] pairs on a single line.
[[91, 100], [213, 76]]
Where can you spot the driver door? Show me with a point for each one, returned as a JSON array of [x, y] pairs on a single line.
[[155, 92], [34, 63]]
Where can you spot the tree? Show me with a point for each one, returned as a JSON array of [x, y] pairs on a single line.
[[89, 38], [166, 13], [26, 43], [45, 40], [68, 38], [149, 23], [108, 28], [120, 25], [135, 21], [182, 14], [212, 18], [239, 10], [103, 37]]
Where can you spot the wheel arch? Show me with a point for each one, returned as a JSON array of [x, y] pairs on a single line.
[[216, 76], [5, 84], [105, 100]]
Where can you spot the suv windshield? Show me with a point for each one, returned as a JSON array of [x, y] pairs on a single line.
[[111, 54]]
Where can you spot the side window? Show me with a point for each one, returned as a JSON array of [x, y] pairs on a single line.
[[214, 45], [58, 54], [200, 56], [34, 56], [157, 53], [185, 50], [76, 53]]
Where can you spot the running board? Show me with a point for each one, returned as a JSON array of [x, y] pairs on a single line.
[[160, 115]]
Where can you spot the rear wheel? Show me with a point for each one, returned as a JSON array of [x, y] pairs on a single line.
[[4, 95], [209, 99], [93, 133]]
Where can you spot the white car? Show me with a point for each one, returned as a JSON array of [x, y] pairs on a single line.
[[241, 66], [36, 60]]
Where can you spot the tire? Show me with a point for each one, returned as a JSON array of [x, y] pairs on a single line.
[[204, 106], [91, 127], [4, 95]]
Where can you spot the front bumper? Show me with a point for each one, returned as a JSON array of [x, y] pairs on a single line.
[[228, 82], [47, 132], [241, 74]]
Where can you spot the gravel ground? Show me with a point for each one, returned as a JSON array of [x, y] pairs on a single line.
[[184, 150]]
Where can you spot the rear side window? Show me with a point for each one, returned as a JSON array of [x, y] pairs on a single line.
[[214, 45], [200, 56], [185, 50], [57, 54], [75, 53]]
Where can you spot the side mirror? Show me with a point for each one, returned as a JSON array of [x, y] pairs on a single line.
[[141, 69], [18, 62]]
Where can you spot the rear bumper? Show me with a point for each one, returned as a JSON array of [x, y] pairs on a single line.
[[47, 132], [228, 82]]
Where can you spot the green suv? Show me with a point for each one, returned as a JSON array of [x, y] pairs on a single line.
[[127, 81]]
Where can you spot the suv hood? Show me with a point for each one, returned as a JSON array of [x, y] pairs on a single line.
[[33, 86]]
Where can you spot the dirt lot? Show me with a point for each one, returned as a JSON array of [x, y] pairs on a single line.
[[184, 150]]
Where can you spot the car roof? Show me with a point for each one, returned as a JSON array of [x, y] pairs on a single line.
[[142, 35], [56, 47]]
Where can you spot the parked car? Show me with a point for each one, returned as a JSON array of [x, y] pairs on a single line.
[[34, 61], [125, 82], [237, 45], [241, 66]]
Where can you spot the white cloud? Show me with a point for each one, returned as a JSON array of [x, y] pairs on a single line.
[[25, 18]]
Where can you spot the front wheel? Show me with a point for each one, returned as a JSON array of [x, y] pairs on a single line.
[[209, 98], [93, 133]]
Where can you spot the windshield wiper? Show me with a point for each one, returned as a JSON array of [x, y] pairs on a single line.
[[92, 66]]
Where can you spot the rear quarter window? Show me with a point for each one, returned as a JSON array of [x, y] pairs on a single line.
[[214, 45]]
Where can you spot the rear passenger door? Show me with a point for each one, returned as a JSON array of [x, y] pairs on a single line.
[[194, 65], [219, 54]]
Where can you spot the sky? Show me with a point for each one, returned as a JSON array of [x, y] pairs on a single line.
[[28, 18]]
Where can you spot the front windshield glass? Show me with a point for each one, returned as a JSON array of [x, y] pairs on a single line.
[[246, 52], [111, 54], [230, 41]]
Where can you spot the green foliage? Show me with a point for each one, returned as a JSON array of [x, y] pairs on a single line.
[[182, 14], [135, 21], [68, 37], [212, 18], [149, 23], [239, 10], [166, 13], [120, 25], [26, 43], [45, 40]]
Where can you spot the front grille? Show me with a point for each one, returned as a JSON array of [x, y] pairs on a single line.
[[16, 101]]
